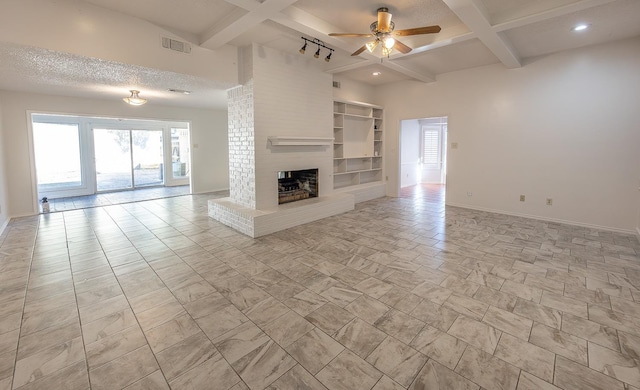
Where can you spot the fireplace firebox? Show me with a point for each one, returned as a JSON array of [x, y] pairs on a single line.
[[297, 185]]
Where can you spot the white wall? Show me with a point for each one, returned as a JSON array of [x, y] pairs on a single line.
[[291, 98], [409, 152], [353, 91], [3, 183], [85, 29], [564, 126], [208, 138]]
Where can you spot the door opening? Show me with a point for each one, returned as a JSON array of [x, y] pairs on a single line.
[[423, 151]]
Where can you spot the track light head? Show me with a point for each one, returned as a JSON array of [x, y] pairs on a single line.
[[303, 48], [317, 54], [328, 57]]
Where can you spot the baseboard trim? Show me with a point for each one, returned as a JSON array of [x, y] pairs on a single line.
[[4, 225], [556, 220]]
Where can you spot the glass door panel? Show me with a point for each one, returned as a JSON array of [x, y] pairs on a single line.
[[113, 159], [180, 153], [147, 158], [57, 156]]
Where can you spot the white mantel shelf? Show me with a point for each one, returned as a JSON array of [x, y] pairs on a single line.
[[283, 140]]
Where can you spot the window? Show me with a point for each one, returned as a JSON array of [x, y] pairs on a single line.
[[431, 145], [57, 156]]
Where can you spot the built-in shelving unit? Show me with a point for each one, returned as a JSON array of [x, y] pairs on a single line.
[[357, 144]]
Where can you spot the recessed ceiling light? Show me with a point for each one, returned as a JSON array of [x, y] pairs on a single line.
[[376, 73], [580, 27], [182, 91]]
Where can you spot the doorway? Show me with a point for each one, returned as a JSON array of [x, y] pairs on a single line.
[[423, 151], [127, 159], [77, 156]]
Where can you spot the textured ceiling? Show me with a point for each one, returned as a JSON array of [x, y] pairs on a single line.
[[474, 33]]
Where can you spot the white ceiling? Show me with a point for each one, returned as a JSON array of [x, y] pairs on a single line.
[[474, 33]]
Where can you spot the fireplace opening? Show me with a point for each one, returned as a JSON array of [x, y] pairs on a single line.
[[297, 185]]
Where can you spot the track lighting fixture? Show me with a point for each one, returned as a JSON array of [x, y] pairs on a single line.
[[320, 44]]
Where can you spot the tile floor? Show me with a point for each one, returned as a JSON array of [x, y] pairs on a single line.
[[400, 293]]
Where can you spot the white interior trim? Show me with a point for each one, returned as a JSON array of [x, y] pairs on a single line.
[[283, 140]]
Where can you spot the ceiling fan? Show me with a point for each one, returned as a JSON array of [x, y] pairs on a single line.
[[383, 31]]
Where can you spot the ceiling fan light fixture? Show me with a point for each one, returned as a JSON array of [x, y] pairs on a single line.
[[389, 42], [371, 46], [386, 51], [134, 99]]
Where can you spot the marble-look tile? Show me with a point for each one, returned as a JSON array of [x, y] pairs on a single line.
[[185, 355], [475, 333], [617, 320], [529, 293], [193, 292], [597, 297], [505, 321], [110, 347], [559, 342], [150, 300], [531, 382], [48, 361], [159, 315], [460, 285], [349, 372], [439, 346], [263, 366], [171, 332], [266, 311], [38, 321], [305, 302], [614, 364], [287, 328], [467, 306], [329, 318], [43, 339], [571, 375], [73, 377], [538, 313], [526, 356], [240, 341], [222, 321], [341, 296], [496, 298], [485, 279], [432, 292], [397, 360], [124, 370], [591, 331], [214, 370], [314, 350], [564, 304], [435, 315], [373, 287], [360, 337], [247, 297], [296, 378], [434, 376], [153, 381], [105, 326], [399, 325], [367, 308], [625, 306], [487, 370], [609, 288], [206, 305], [629, 345]]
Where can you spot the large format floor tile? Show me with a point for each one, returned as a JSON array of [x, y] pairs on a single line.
[[401, 293]]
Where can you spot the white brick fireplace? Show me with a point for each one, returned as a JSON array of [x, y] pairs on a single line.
[[280, 119]]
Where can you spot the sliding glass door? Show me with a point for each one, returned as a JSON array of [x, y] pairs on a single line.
[[127, 159]]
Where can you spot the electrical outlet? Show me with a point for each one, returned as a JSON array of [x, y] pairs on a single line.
[[521, 198], [454, 145], [469, 194], [549, 202]]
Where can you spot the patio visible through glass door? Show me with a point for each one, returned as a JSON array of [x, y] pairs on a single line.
[[127, 159]]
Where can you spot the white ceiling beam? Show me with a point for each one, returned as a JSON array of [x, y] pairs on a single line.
[[549, 14], [472, 13], [219, 36]]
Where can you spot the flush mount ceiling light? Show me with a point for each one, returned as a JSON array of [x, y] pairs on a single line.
[[580, 27], [134, 99], [182, 91], [376, 73], [320, 44]]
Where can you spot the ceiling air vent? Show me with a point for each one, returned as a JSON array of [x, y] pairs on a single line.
[[172, 44], [336, 84]]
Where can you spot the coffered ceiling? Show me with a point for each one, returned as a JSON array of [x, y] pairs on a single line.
[[474, 33]]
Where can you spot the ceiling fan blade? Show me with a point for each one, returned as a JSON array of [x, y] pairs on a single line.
[[384, 20], [401, 47], [417, 31], [349, 35], [360, 50]]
